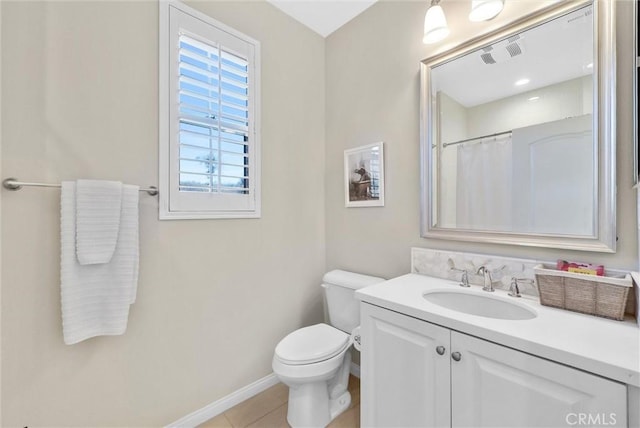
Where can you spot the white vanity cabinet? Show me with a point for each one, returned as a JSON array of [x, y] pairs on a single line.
[[418, 374], [492, 385], [405, 381]]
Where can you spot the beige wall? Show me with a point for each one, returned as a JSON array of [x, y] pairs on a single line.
[[372, 82], [450, 115], [80, 100], [557, 102], [80, 94]]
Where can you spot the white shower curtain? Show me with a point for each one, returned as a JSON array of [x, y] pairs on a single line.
[[483, 199]]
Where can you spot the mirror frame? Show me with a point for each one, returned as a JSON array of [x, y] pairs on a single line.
[[604, 129]]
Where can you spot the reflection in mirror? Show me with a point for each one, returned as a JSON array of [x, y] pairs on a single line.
[[512, 134]]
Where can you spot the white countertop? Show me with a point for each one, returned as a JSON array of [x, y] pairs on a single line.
[[605, 347]]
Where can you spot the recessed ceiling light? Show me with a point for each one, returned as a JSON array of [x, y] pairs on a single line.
[[522, 82], [533, 99], [590, 65]]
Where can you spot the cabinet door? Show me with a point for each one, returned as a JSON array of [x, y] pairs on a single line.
[[405, 381], [495, 386]]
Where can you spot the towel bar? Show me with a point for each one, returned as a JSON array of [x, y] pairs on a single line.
[[13, 184]]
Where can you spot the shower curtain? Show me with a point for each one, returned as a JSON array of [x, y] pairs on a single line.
[[483, 197]]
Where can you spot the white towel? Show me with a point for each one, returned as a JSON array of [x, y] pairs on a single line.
[[98, 209], [96, 298]]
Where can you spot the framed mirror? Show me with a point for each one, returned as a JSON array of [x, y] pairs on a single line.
[[518, 133]]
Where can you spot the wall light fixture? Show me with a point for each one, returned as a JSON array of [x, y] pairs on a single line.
[[435, 24]]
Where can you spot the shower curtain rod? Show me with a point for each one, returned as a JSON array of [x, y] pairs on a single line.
[[14, 184], [497, 134]]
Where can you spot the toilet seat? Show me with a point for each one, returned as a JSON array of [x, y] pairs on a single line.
[[312, 344]]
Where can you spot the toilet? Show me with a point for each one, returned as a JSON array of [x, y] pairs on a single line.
[[314, 362]]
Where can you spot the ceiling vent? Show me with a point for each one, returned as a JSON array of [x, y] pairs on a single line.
[[514, 49], [486, 56], [502, 51]]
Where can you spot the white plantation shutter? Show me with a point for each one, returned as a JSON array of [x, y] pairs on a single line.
[[214, 119], [213, 148]]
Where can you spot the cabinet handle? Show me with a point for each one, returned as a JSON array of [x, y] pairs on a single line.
[[440, 350], [456, 356]]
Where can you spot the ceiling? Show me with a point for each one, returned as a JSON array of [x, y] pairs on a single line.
[[459, 78], [323, 16], [557, 51]]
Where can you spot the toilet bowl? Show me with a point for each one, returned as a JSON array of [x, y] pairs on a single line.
[[314, 362]]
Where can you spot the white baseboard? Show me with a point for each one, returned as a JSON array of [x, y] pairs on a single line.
[[212, 410], [225, 403], [355, 370]]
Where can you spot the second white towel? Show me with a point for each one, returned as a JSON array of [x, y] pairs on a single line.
[[98, 213]]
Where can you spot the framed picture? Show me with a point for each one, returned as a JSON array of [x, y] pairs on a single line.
[[364, 176]]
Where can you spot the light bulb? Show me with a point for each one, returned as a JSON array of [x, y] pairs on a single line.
[[483, 10], [435, 25]]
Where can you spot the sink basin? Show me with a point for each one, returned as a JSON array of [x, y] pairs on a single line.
[[477, 304]]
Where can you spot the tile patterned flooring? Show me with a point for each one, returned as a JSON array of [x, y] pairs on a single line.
[[269, 410]]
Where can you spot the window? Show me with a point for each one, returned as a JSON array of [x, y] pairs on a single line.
[[209, 100]]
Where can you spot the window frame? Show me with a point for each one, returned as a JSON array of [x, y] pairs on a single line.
[[202, 205]]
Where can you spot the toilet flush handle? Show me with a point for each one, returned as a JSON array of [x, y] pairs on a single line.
[[355, 338]]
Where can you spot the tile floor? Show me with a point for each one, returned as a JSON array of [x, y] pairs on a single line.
[[269, 410]]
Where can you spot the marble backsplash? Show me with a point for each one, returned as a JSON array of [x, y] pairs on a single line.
[[447, 265]]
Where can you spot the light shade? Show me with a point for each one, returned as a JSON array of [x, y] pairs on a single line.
[[435, 25], [483, 10]]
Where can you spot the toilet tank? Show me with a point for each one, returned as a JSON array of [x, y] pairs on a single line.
[[343, 308]]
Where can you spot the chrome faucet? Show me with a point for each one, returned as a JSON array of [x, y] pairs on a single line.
[[488, 284], [514, 289], [464, 278]]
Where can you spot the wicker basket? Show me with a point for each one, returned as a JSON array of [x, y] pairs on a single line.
[[603, 296]]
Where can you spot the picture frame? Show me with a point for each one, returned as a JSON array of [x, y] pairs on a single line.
[[364, 176]]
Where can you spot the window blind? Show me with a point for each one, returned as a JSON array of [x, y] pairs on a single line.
[[213, 116]]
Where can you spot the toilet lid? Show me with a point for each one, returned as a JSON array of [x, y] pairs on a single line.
[[311, 344]]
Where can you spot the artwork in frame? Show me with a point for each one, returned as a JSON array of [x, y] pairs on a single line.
[[364, 176]]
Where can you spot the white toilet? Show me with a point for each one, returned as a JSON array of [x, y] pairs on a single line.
[[314, 361]]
